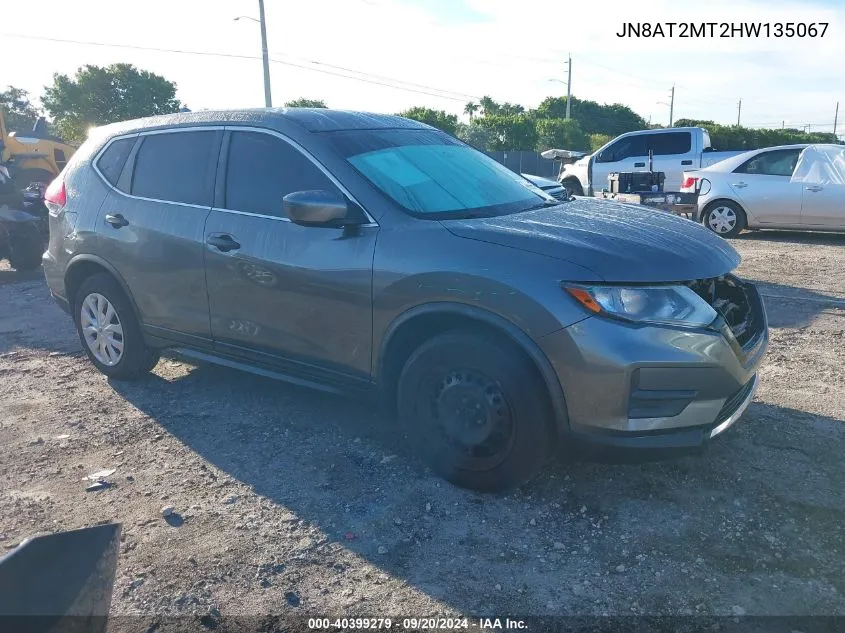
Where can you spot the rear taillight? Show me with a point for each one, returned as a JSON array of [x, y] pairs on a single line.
[[689, 183], [56, 196]]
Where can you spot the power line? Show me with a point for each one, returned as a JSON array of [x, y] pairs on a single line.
[[430, 91]]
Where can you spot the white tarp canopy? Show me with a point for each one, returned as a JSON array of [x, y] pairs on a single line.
[[562, 153], [821, 165]]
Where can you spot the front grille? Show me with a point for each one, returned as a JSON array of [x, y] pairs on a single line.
[[733, 403], [736, 303]]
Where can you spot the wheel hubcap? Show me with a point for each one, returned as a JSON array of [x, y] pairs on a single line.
[[722, 219], [472, 414], [102, 329]]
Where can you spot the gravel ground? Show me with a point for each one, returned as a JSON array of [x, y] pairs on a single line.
[[292, 501]]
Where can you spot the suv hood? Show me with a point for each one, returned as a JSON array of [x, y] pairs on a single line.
[[618, 242]]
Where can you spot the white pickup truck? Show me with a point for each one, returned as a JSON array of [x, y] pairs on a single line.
[[674, 150]]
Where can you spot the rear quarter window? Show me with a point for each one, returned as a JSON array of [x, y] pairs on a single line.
[[670, 143], [111, 161], [176, 167]]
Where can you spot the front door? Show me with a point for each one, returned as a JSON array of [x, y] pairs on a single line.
[[150, 226], [625, 155], [279, 292]]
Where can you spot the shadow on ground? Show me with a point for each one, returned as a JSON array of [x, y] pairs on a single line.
[[762, 507], [799, 237]]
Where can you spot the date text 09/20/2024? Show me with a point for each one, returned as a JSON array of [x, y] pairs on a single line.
[[723, 29], [416, 624]]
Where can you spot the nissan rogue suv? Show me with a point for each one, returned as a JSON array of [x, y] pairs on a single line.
[[370, 254]]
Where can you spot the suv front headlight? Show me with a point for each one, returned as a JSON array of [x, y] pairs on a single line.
[[669, 305]]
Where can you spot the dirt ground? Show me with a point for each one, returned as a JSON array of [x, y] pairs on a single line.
[[292, 501]]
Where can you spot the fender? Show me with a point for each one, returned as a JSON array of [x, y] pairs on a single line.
[[95, 259], [516, 335]]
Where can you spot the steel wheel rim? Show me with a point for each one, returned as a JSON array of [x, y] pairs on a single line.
[[487, 424], [721, 219], [101, 329]]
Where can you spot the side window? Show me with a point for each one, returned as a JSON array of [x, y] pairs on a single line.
[[176, 166], [670, 143], [263, 169], [778, 163], [627, 147], [112, 161]]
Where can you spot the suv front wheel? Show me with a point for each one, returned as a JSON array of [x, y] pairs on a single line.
[[109, 331], [474, 408]]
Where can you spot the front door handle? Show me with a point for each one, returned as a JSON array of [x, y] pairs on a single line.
[[814, 187], [686, 162], [639, 164], [738, 185], [224, 242], [116, 220]]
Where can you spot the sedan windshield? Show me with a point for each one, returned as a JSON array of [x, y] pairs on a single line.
[[430, 174]]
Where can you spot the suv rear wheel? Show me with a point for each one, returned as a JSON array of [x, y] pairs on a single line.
[[109, 332], [474, 409]]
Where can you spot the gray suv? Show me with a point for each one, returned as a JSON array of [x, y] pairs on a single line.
[[370, 254]]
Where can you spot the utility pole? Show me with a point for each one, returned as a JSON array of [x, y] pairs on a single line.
[[568, 85], [836, 118], [672, 105], [268, 99], [738, 112]]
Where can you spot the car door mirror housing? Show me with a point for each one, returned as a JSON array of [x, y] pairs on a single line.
[[320, 208]]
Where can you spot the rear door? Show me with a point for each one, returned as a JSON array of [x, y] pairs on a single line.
[[621, 156], [151, 228], [763, 187], [673, 153], [281, 293]]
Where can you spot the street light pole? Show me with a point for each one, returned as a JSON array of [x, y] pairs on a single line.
[[568, 86], [268, 99]]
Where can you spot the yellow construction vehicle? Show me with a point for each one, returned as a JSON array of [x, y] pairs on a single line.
[[34, 156]]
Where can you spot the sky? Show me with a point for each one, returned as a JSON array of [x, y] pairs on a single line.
[[444, 53]]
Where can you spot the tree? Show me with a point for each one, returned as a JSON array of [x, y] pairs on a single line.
[[488, 106], [98, 95], [732, 137], [593, 118], [20, 112], [471, 108], [561, 134], [435, 118], [302, 102], [509, 131], [474, 134]]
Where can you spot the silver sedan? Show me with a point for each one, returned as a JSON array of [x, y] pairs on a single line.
[[787, 187]]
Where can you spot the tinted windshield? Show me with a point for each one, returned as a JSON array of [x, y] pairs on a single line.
[[431, 174]]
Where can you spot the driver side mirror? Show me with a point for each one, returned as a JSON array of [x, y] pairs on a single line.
[[321, 209]]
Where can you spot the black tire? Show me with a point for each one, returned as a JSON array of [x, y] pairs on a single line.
[[136, 358], [26, 246], [728, 210], [505, 421], [573, 187]]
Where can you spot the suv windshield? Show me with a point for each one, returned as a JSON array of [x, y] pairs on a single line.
[[433, 175]]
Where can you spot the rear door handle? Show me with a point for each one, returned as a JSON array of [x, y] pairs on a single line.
[[738, 185], [116, 220], [639, 164], [686, 162], [814, 187], [223, 242]]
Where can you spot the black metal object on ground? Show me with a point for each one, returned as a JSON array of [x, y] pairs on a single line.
[[60, 583]]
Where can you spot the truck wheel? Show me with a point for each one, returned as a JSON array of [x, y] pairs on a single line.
[[475, 410], [25, 248], [573, 187], [724, 218], [108, 329]]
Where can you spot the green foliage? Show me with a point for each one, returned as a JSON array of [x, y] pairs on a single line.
[[470, 109], [599, 140], [98, 95], [435, 118], [732, 137], [474, 134], [20, 112], [508, 131], [302, 102], [561, 134], [593, 118]]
